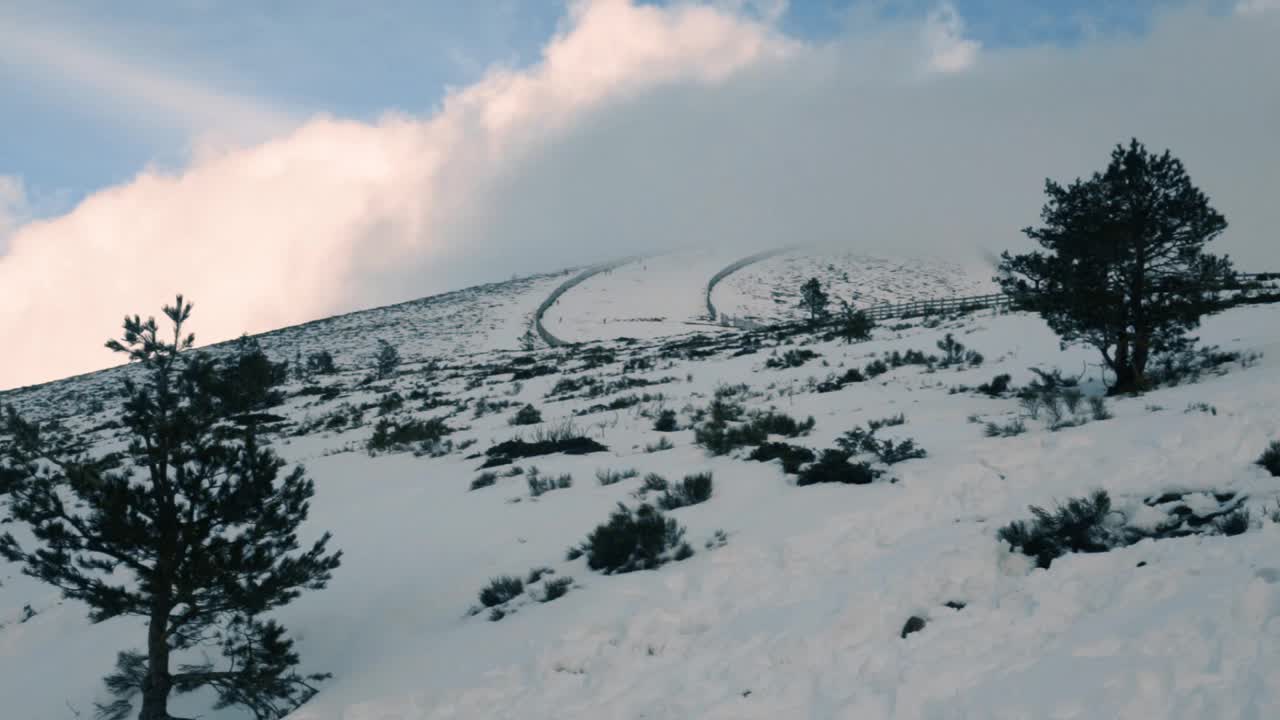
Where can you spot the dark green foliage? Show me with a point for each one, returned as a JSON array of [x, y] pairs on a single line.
[[555, 589], [1009, 429], [814, 301], [891, 421], [613, 477], [390, 403], [533, 371], [1098, 408], [952, 349], [500, 590], [539, 485], [666, 421], [1233, 523], [197, 527], [386, 360], [484, 480], [854, 325], [875, 368], [720, 437], [834, 467], [999, 385], [394, 434], [914, 624], [888, 452], [527, 415], [640, 539], [1076, 526], [653, 482], [247, 383], [792, 456], [546, 441], [692, 490], [1271, 458], [790, 359], [536, 574], [1123, 267], [321, 362]]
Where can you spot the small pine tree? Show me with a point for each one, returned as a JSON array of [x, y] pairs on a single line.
[[387, 359], [855, 325], [193, 529], [814, 300]]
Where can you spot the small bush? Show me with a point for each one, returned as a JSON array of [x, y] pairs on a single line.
[[547, 441], [999, 385], [555, 589], [1077, 526], [834, 467], [539, 485], [790, 359], [653, 482], [1271, 459], [640, 539], [536, 574], [1098, 408], [891, 421], [1009, 429], [662, 444], [854, 325], [1233, 523], [386, 360], [484, 480], [1071, 397], [500, 590], [612, 477], [792, 456], [321, 362], [666, 421], [692, 490], [875, 368], [390, 434], [527, 415]]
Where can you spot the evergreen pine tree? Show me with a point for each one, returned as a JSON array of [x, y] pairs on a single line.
[[1123, 267], [814, 300], [854, 324], [194, 529], [387, 359]]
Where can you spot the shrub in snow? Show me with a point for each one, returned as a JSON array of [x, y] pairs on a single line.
[[889, 452], [914, 624], [653, 482], [546, 441], [1079, 525], [834, 467], [666, 421], [1071, 398], [875, 368], [527, 415], [792, 456], [392, 434], [386, 359], [662, 444], [536, 574], [484, 480], [612, 477], [891, 421], [999, 385], [854, 325], [790, 359], [539, 485], [692, 490], [1233, 523], [1098, 408], [640, 539], [719, 437], [500, 590], [321, 362], [1009, 429], [554, 589], [1271, 458]]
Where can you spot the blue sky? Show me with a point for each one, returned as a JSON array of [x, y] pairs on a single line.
[[359, 60]]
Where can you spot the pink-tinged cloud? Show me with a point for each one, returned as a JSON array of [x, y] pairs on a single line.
[[294, 228]]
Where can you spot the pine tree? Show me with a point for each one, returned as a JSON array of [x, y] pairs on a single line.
[[854, 325], [194, 528], [1123, 268], [387, 359], [814, 300]]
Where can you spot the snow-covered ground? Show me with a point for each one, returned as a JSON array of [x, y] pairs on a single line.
[[799, 615], [649, 298], [770, 289]]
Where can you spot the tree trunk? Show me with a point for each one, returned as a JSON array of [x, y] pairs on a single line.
[[1141, 354], [156, 684]]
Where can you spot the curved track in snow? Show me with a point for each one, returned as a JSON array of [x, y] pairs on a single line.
[[564, 287]]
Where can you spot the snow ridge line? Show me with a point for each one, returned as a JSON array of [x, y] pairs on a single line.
[[734, 267], [566, 286]]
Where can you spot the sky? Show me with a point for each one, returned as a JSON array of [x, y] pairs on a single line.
[[286, 161]]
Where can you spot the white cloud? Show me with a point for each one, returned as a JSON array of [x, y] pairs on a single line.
[[13, 207], [949, 50], [642, 126]]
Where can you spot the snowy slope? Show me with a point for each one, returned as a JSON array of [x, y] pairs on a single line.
[[648, 298], [770, 288], [800, 613]]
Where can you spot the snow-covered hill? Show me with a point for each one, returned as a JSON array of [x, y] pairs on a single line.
[[795, 599]]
